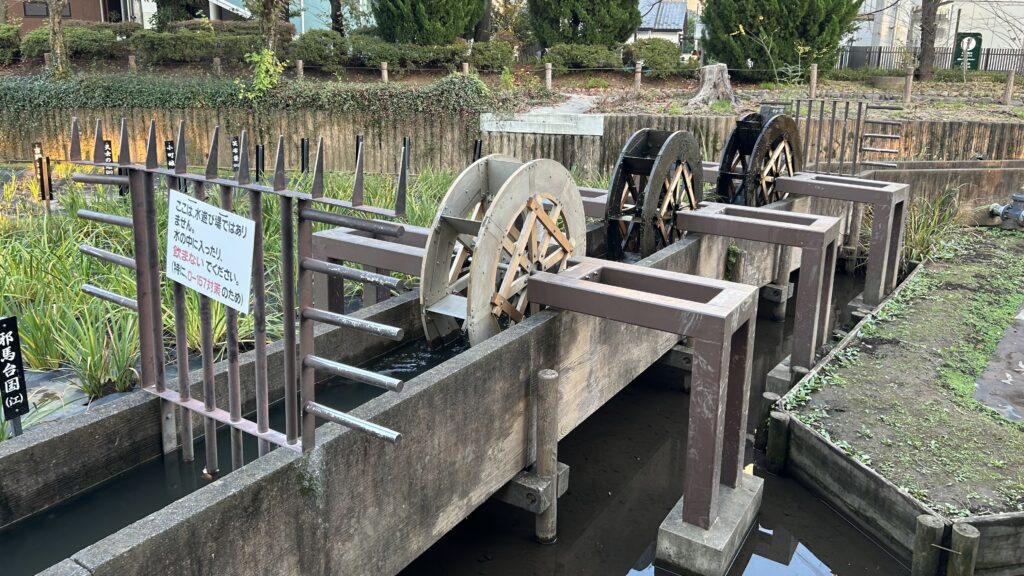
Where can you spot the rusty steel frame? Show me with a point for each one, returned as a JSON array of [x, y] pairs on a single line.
[[719, 317], [889, 203], [818, 240], [297, 207]]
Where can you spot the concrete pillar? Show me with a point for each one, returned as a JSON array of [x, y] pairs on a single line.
[[547, 75], [908, 84], [927, 545], [1008, 91], [132, 66], [778, 442], [637, 75], [812, 89], [300, 69], [384, 72], [546, 527], [46, 60], [768, 402], [217, 69], [465, 67], [963, 550]]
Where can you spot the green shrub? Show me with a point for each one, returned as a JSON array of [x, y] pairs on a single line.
[[441, 56], [582, 56], [492, 56], [193, 46], [370, 51], [119, 29], [660, 56], [81, 43], [324, 49], [9, 43], [237, 27]]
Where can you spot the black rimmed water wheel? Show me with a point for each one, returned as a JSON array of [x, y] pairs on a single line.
[[658, 173], [756, 154]]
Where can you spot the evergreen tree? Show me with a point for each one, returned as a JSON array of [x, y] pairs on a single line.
[[602, 22], [776, 33], [426, 22]]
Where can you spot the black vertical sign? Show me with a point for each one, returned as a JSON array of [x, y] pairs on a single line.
[[108, 156], [13, 389], [235, 153], [169, 153]]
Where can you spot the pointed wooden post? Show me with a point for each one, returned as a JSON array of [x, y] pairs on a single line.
[[357, 184], [75, 151]]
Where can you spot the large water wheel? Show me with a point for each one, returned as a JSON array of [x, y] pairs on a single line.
[[658, 173], [501, 221], [756, 154]]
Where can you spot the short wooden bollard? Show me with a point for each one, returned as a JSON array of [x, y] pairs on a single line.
[[47, 59], [384, 72], [217, 69], [963, 547], [768, 402], [812, 88], [778, 442], [465, 68], [132, 66], [797, 374], [1008, 91], [637, 75], [300, 69], [547, 75], [908, 84], [927, 545], [546, 527]]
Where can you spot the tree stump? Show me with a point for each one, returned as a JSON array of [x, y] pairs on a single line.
[[714, 86]]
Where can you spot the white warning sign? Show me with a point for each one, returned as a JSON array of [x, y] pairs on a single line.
[[210, 250]]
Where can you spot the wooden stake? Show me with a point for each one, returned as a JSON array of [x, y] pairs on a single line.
[[768, 402], [300, 69], [465, 68], [216, 65], [547, 75], [812, 90], [384, 72], [1008, 91], [778, 442], [963, 545], [908, 84], [927, 539], [637, 75], [132, 66]]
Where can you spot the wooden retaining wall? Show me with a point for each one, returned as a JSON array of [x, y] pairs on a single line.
[[447, 141]]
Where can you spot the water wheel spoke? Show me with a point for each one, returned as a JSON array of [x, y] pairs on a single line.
[[502, 305], [550, 225], [688, 180]]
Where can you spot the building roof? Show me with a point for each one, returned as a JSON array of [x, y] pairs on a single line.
[[662, 14]]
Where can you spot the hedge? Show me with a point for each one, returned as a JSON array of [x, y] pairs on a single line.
[[9, 43], [187, 46], [81, 43], [660, 57], [582, 56], [370, 51], [119, 29], [494, 56], [324, 49]]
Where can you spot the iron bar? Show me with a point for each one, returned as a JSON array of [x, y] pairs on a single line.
[[184, 382], [342, 321], [332, 415], [856, 138], [107, 256], [831, 135], [371, 226], [347, 273], [259, 315], [313, 362], [110, 296], [291, 405], [100, 179], [209, 390], [104, 218], [306, 335]]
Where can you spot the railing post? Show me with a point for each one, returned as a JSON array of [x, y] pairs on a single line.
[[216, 65], [908, 84], [637, 74], [47, 58], [1008, 91], [300, 71], [812, 90], [465, 68], [546, 526], [384, 72], [547, 75]]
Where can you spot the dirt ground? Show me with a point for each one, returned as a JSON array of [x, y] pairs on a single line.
[[900, 399]]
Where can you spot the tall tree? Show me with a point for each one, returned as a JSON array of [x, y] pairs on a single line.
[[59, 61], [604, 22], [773, 33], [425, 21], [929, 25], [482, 33]]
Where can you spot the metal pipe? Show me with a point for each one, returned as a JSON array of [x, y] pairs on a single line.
[[546, 524], [101, 179], [234, 375], [372, 226], [313, 362], [347, 273], [209, 392], [331, 415], [110, 297], [342, 321], [184, 382], [104, 218], [291, 404], [306, 342], [107, 256], [259, 319]]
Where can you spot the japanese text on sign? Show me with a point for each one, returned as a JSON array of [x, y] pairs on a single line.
[[13, 390], [210, 250]]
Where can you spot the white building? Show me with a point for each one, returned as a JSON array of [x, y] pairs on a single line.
[[894, 24]]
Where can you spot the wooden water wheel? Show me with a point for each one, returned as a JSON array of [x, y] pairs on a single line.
[[658, 173], [756, 154], [500, 222]]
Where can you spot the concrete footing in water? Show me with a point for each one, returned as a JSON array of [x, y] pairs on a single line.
[[692, 551]]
